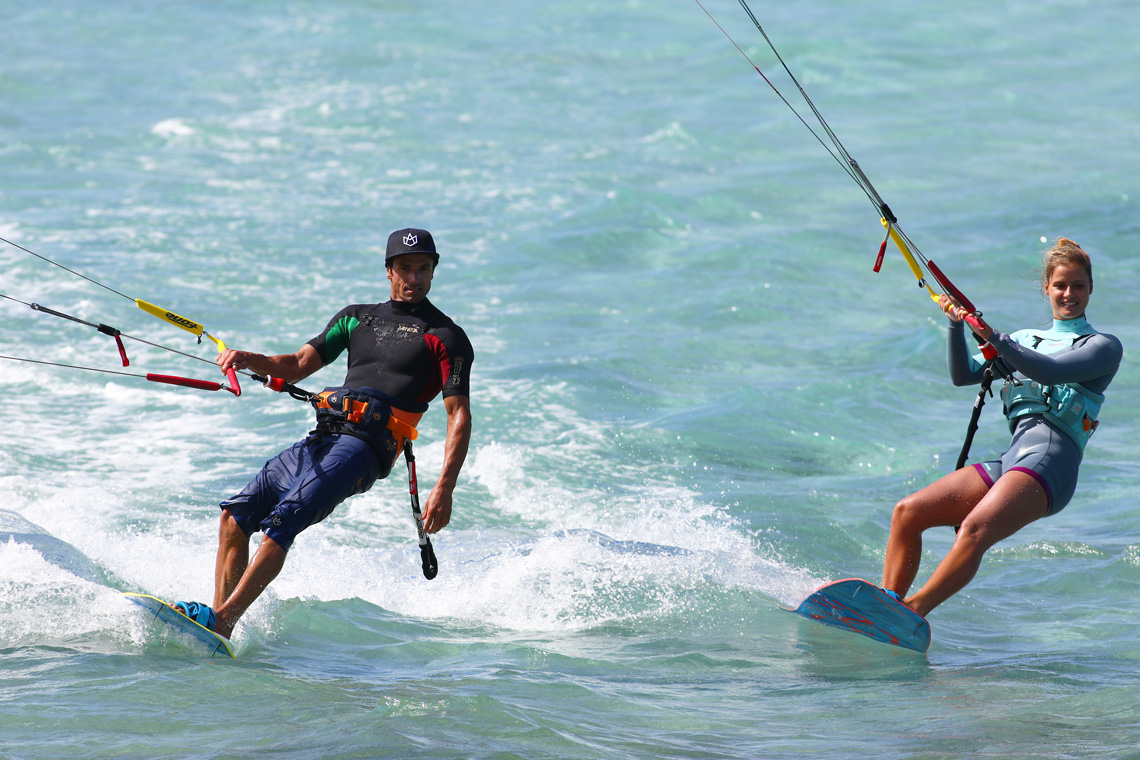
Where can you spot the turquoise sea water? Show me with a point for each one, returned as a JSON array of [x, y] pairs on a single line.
[[693, 400]]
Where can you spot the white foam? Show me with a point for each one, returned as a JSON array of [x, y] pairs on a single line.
[[547, 557], [42, 604], [173, 128]]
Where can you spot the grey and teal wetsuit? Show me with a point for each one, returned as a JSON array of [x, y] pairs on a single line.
[[411, 353], [1069, 358]]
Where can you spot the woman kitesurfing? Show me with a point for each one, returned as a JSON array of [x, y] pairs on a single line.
[[1055, 384], [1051, 401], [1055, 381]]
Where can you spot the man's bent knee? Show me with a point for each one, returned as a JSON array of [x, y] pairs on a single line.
[[229, 529]]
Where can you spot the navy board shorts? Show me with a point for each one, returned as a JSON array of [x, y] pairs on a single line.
[[303, 484], [1044, 452]]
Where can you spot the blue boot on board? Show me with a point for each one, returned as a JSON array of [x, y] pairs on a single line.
[[202, 614]]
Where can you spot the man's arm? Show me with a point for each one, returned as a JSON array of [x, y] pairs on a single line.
[[291, 368], [437, 514]]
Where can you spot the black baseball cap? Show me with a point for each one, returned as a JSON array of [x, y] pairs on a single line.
[[410, 240]]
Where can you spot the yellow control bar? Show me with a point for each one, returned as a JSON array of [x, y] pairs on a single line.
[[177, 320], [190, 326]]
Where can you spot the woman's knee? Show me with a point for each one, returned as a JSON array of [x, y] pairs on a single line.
[[907, 515], [975, 537]]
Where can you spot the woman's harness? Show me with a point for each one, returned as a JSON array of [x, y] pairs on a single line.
[[1071, 407]]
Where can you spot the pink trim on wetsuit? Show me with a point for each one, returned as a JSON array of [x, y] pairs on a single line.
[[985, 475], [981, 470], [1044, 486]]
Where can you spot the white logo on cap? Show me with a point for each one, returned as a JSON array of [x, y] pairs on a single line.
[[411, 239]]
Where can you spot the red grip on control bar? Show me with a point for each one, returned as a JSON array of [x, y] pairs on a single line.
[[988, 350], [954, 292], [122, 351], [186, 382], [879, 258], [233, 388]]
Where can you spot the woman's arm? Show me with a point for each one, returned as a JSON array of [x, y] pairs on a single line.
[[1098, 356], [964, 369]]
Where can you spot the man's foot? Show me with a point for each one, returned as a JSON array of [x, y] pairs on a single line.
[[201, 614]]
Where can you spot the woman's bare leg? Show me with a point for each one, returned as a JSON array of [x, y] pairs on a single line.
[[945, 502], [1016, 500]]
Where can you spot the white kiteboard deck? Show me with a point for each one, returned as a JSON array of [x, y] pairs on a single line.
[[861, 607], [172, 617]]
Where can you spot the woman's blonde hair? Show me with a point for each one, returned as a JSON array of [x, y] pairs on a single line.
[[1064, 252]]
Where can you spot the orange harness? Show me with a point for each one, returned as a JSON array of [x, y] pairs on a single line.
[[356, 409], [368, 413]]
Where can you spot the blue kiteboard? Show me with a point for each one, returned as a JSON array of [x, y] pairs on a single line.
[[162, 611], [861, 607]]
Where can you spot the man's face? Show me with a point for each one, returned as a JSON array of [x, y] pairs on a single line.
[[410, 275]]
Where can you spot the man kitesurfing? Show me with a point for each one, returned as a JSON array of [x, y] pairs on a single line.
[[401, 355]]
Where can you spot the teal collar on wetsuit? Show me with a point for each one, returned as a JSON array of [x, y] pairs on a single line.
[[1061, 335]]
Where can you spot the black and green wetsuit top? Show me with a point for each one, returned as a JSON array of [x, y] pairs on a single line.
[[411, 351]]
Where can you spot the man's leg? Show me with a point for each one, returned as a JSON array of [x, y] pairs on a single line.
[[320, 475], [266, 564], [233, 556]]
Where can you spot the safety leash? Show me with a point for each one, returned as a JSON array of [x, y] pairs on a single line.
[[979, 402], [427, 554]]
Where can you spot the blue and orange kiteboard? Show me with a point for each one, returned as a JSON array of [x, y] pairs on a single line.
[[861, 607]]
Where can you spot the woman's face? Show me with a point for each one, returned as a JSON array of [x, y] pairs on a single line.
[[1068, 291]]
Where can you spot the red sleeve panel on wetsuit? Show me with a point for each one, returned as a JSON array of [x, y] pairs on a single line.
[[454, 370], [439, 351]]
